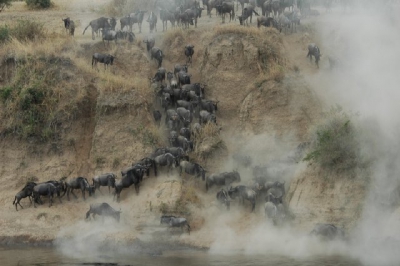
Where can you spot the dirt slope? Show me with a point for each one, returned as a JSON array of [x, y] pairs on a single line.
[[256, 75]]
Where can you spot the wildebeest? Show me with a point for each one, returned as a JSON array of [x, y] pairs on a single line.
[[26, 191], [113, 23], [192, 169], [177, 152], [223, 197], [186, 116], [108, 35], [166, 159], [130, 176], [44, 189], [194, 13], [166, 15], [224, 8], [159, 76], [247, 13], [107, 179], [69, 25], [276, 8], [100, 23], [147, 163], [286, 4], [150, 41], [222, 179], [243, 193], [185, 19], [178, 68], [133, 18], [274, 210], [268, 22], [105, 59], [102, 209], [185, 132], [152, 20], [157, 54], [208, 105], [327, 232], [313, 50], [174, 221], [157, 117], [79, 183], [205, 117], [266, 8], [189, 51], [183, 78], [271, 211], [276, 189]]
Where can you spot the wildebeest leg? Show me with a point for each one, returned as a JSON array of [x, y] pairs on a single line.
[[83, 193], [137, 189], [72, 192], [50, 199], [88, 214]]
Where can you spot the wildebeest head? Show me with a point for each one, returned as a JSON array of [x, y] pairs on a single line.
[[240, 19], [67, 22], [113, 23]]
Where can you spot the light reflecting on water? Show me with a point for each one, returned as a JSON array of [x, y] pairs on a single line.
[[50, 257]]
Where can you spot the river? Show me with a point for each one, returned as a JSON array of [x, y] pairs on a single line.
[[51, 256]]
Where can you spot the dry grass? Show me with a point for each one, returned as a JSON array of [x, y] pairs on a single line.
[[207, 140]]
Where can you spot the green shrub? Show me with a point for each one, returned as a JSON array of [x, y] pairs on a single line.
[[38, 3], [4, 34], [335, 143], [5, 93]]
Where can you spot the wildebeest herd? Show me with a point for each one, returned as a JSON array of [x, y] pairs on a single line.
[[180, 102]]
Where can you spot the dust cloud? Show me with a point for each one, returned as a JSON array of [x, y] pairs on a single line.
[[361, 73]]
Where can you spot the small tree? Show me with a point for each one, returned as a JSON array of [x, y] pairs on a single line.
[[38, 3], [335, 142], [4, 4]]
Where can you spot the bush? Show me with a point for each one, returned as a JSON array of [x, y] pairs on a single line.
[[335, 143], [38, 3], [26, 30], [4, 34], [4, 4]]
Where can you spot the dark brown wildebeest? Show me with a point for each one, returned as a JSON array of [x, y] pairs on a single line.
[[157, 54], [79, 183], [268, 22], [25, 192], [69, 25], [222, 179], [105, 59], [224, 8], [157, 117], [193, 14], [107, 179], [175, 222], [247, 13], [103, 209], [100, 23], [189, 51], [313, 50], [149, 43]]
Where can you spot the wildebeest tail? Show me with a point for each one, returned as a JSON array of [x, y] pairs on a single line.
[[15, 200], [85, 29], [255, 12]]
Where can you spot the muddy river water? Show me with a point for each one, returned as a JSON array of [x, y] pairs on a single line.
[[52, 256]]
